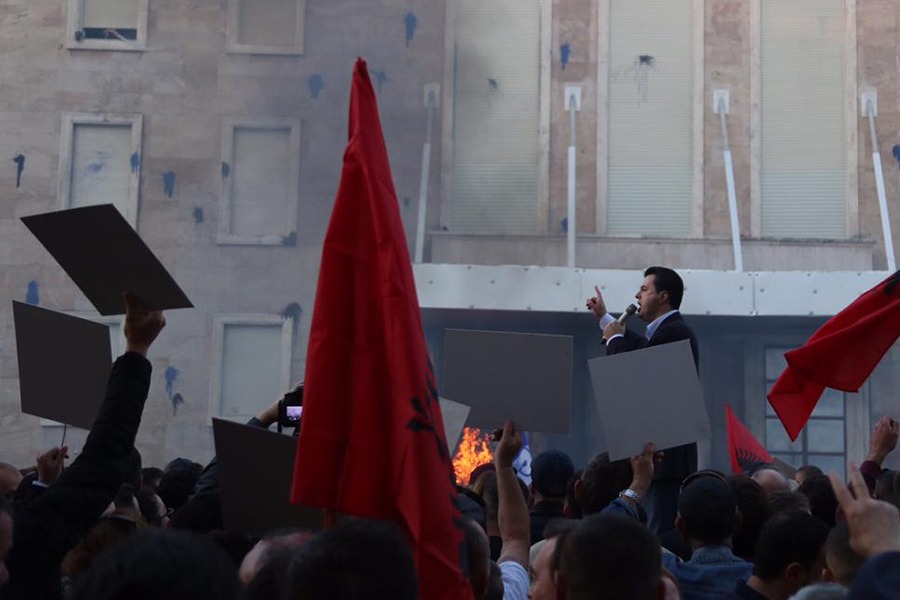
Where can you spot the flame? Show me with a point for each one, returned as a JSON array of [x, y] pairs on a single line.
[[474, 451]]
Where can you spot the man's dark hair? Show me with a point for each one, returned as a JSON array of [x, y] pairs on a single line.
[[611, 558], [708, 510], [551, 472], [478, 553], [177, 485], [492, 499], [753, 505], [794, 537], [157, 563], [667, 280], [843, 562], [557, 527], [495, 587], [357, 560], [785, 502], [150, 478], [807, 471], [602, 481], [822, 501]]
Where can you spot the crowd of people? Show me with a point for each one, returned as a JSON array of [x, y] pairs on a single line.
[[106, 527]]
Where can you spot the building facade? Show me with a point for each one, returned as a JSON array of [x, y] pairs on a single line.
[[217, 128]]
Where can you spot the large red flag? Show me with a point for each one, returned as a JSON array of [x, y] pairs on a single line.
[[372, 440], [841, 354], [744, 449]]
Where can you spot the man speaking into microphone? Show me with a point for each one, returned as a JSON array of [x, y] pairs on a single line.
[[658, 301]]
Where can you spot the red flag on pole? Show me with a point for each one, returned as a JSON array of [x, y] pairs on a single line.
[[372, 440], [744, 449], [840, 355]]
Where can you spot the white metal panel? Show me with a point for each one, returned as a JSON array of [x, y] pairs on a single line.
[[560, 289], [651, 104], [101, 166], [268, 22], [803, 168], [810, 293], [111, 14], [260, 202], [496, 116]]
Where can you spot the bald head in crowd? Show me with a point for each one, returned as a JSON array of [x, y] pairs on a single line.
[[771, 480], [609, 557]]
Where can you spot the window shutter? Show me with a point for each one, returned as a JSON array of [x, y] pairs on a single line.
[[261, 182], [251, 368], [496, 116], [803, 166], [268, 22], [101, 167], [651, 104], [110, 14]]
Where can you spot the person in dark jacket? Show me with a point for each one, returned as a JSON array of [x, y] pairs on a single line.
[[49, 526], [659, 301]]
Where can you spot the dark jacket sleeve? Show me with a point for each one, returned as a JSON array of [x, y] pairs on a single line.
[[630, 341], [47, 528]]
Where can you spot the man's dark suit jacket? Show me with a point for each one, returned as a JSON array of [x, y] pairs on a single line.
[[681, 461]]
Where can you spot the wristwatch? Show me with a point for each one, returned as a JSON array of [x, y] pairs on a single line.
[[630, 494]]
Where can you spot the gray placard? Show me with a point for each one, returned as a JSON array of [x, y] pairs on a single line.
[[455, 416], [256, 469], [520, 376], [649, 395], [64, 365], [105, 257]]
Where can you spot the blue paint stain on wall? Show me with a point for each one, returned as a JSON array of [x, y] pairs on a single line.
[[20, 166], [33, 295], [135, 162], [198, 215], [177, 400], [293, 311], [564, 225], [169, 183], [896, 152], [406, 201], [171, 376], [380, 78], [226, 170], [316, 85], [411, 23], [95, 168], [290, 239], [565, 52]]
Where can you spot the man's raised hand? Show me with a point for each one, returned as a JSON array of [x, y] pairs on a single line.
[[142, 325], [874, 525], [596, 304]]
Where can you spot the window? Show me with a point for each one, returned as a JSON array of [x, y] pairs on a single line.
[[266, 26], [252, 363], [823, 442], [260, 182], [100, 162], [107, 24], [807, 147], [498, 163], [651, 137]]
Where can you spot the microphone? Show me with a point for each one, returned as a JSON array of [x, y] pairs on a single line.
[[629, 312]]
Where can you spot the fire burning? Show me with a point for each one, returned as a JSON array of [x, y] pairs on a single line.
[[474, 451]]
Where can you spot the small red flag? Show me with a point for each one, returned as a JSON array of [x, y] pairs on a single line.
[[840, 355], [372, 440], [744, 449]]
